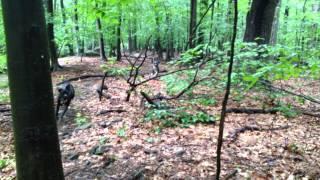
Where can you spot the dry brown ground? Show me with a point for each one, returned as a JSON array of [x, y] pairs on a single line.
[[175, 153]]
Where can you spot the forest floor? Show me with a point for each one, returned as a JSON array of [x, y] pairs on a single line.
[[124, 146]]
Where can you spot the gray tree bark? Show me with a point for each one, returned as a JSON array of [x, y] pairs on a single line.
[[35, 132]]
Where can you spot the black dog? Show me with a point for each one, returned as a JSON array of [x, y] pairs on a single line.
[[66, 94]]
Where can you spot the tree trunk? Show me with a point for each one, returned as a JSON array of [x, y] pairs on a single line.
[[135, 40], [158, 46], [119, 35], [64, 21], [275, 25], [37, 150], [103, 56], [260, 20], [52, 45], [130, 40], [203, 7], [80, 47], [193, 22]]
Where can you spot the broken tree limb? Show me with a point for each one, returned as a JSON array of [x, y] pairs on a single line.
[[100, 92], [268, 111], [252, 111], [111, 111], [268, 84], [235, 134], [81, 78]]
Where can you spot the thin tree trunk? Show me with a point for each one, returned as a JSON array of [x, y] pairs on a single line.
[[80, 47], [37, 152], [203, 7], [64, 21], [119, 35], [52, 45], [158, 46], [275, 25], [193, 22], [103, 56], [135, 40], [227, 93]]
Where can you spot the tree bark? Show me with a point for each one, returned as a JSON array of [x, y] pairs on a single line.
[[80, 44], [227, 93], [103, 56], [119, 35], [35, 132], [193, 22], [158, 46], [203, 7], [64, 21], [260, 20], [52, 45]]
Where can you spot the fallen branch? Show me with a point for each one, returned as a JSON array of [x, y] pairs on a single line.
[[267, 111], [111, 111], [81, 78], [252, 111], [269, 85], [235, 134]]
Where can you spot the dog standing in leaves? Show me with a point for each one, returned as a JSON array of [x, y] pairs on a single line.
[[66, 94]]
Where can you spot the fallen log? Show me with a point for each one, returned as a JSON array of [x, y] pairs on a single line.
[[235, 134], [111, 111], [252, 111]]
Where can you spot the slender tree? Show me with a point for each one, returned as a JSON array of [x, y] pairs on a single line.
[[260, 21], [52, 44], [35, 132], [158, 46], [64, 22], [119, 34], [193, 22], [203, 7], [227, 93], [103, 56], [79, 42]]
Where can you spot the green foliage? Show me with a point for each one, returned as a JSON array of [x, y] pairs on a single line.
[[122, 132], [3, 64], [3, 163], [115, 71], [287, 110], [4, 89], [177, 117], [192, 56], [80, 119], [6, 161], [206, 101], [175, 83]]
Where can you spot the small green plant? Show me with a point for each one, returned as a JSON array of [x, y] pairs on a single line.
[[3, 163], [103, 140], [80, 119], [115, 71], [206, 101], [3, 64], [4, 91], [122, 132], [177, 117], [287, 110]]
